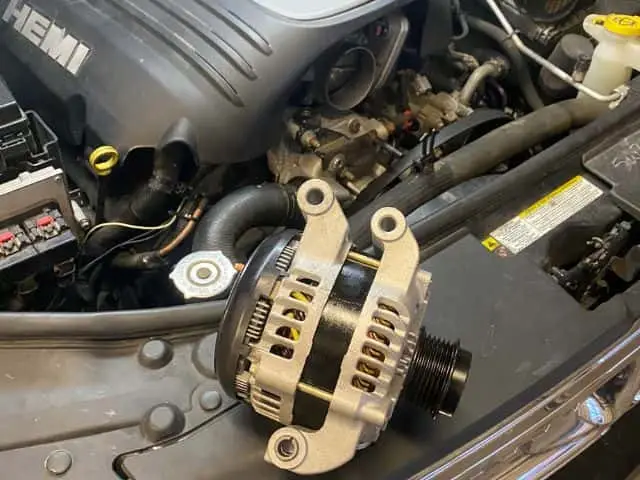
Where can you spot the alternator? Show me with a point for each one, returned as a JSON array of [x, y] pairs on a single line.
[[324, 340]]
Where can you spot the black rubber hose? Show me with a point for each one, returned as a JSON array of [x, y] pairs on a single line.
[[175, 159], [551, 160], [175, 156], [269, 205], [518, 63], [478, 158], [114, 325]]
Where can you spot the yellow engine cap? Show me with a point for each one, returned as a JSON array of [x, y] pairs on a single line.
[[624, 25], [103, 160]]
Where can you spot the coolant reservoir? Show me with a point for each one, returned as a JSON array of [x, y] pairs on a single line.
[[617, 53]]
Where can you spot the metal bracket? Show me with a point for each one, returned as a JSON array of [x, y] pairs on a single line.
[[356, 417], [325, 245]]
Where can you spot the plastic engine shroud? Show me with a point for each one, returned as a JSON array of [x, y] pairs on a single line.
[[227, 65]]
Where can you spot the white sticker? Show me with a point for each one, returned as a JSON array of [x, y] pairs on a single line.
[[545, 215]]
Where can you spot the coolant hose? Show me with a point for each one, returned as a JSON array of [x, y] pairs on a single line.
[[175, 159], [269, 205], [518, 62], [503, 189], [478, 158], [116, 325], [494, 68]]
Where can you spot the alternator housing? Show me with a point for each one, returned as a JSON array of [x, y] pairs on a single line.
[[321, 338]]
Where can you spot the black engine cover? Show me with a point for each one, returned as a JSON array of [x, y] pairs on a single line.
[[122, 71]]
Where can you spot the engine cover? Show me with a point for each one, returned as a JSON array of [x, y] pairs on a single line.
[[122, 71]]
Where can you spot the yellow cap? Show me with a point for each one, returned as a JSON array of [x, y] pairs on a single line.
[[103, 160], [625, 25]]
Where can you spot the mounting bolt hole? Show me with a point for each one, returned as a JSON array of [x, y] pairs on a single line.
[[388, 224], [315, 196], [287, 448]]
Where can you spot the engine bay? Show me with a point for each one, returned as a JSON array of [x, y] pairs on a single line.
[[353, 216]]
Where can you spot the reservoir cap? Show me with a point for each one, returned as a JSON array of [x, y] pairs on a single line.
[[625, 25]]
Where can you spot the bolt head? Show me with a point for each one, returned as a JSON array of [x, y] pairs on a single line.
[[354, 126], [337, 163]]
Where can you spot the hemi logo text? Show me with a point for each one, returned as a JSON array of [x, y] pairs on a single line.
[[44, 33]]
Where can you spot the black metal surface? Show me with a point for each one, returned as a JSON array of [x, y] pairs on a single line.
[[338, 322], [437, 375], [331, 341]]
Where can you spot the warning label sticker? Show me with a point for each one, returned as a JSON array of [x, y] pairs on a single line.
[[491, 244], [543, 216]]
